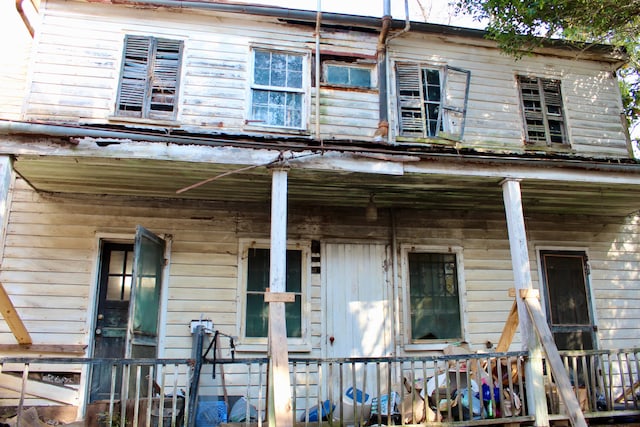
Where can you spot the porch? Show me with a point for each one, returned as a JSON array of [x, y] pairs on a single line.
[[462, 389]]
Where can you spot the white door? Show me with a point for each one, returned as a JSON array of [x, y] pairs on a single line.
[[358, 310]]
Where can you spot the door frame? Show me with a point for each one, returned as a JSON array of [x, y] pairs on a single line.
[[542, 285], [93, 298]]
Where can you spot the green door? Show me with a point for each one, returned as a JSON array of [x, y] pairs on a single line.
[[144, 310]]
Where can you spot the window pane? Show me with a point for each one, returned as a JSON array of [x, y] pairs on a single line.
[[262, 67], [294, 271], [258, 270], [293, 312], [337, 75], [257, 316], [278, 69], [361, 77], [434, 300]]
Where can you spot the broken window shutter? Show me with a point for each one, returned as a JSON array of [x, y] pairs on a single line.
[[164, 78], [454, 104], [134, 76], [532, 109], [411, 115]]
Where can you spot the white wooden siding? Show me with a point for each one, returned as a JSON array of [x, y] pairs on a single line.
[[590, 94], [50, 262], [78, 60], [13, 62]]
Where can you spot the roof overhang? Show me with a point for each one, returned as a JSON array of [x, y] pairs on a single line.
[[320, 177]]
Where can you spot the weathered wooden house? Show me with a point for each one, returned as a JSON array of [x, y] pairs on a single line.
[[381, 184]]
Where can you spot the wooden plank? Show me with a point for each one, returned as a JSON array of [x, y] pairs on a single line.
[[39, 389], [557, 367], [279, 297], [44, 348], [12, 318], [510, 328]]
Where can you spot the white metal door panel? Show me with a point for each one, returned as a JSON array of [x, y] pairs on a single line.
[[358, 310]]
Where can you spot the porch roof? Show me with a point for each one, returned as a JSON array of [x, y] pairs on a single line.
[[324, 177]]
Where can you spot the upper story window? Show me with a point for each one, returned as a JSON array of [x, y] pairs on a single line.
[[149, 78], [278, 89], [344, 74], [432, 101], [542, 108], [254, 284], [433, 305]]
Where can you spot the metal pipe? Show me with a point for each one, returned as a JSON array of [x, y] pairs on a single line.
[[317, 64], [25, 18], [381, 56]]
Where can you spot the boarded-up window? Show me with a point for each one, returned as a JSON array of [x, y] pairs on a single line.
[[542, 108], [278, 89], [257, 310], [434, 300], [149, 78], [432, 101]]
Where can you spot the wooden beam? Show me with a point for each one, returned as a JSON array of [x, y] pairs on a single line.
[[279, 297], [44, 348], [280, 406], [509, 330], [40, 389], [12, 318], [560, 375]]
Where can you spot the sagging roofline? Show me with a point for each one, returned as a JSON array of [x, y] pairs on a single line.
[[607, 53]]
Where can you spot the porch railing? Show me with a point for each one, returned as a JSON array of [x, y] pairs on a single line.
[[466, 389]]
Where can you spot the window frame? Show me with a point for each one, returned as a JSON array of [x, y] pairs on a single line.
[[147, 113], [259, 344], [452, 111], [411, 344], [370, 67], [546, 116], [304, 90]]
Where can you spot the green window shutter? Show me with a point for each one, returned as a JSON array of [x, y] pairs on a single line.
[[164, 78], [410, 100], [149, 78], [134, 76], [542, 109]]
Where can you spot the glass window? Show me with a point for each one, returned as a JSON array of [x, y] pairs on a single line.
[[119, 275], [257, 310], [434, 300], [277, 89], [346, 75]]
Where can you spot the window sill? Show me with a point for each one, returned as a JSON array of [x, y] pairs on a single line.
[[429, 346], [552, 148], [150, 122], [255, 126], [263, 348]]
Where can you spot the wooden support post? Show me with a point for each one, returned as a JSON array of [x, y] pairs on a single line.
[[536, 397], [560, 375], [13, 319], [280, 408], [509, 330]]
